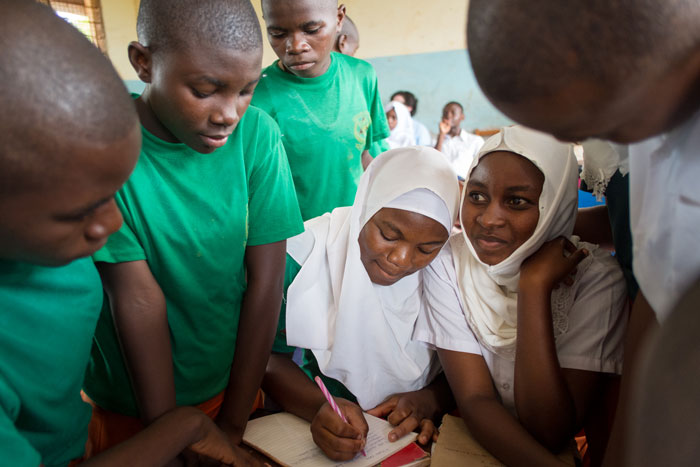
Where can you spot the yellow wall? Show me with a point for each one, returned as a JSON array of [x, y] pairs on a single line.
[[387, 28], [120, 28]]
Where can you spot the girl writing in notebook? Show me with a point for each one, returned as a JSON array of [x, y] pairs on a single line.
[[353, 292]]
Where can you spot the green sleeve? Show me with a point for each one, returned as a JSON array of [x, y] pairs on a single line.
[[378, 147], [122, 245], [379, 128], [15, 448], [310, 366], [273, 207], [280, 345]]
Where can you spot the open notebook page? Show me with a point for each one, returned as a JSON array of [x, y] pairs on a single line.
[[287, 440]]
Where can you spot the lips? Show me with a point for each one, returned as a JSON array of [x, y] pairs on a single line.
[[388, 274], [490, 242], [214, 141], [300, 66]]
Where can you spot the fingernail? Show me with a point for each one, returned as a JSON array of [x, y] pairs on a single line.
[[392, 437]]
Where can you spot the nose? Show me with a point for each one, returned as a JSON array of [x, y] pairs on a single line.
[[226, 113], [491, 217], [296, 44], [400, 256], [105, 221]]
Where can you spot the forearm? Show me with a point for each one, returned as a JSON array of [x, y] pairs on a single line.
[[366, 159], [256, 331], [161, 442], [593, 225], [290, 387], [141, 323], [439, 141], [501, 434], [439, 398], [542, 399]]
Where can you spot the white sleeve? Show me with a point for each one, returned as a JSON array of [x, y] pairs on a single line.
[[594, 340], [441, 322]]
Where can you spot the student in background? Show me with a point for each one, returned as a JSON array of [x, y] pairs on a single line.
[[399, 120], [194, 277], [624, 71], [528, 322], [56, 208], [348, 40], [420, 131], [354, 291], [326, 104], [459, 146]]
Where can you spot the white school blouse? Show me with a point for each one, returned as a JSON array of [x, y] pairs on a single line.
[[593, 339], [461, 150], [665, 214]]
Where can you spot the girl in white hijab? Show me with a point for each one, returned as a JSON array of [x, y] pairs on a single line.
[[528, 321], [401, 125], [355, 293]]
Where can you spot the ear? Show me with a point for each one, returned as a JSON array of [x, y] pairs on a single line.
[[341, 18], [342, 43], [141, 59]]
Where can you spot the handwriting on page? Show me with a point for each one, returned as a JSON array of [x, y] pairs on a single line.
[[287, 439]]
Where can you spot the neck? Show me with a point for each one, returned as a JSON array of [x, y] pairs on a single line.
[[455, 131], [150, 120]]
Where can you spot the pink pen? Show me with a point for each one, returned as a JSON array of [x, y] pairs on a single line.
[[332, 403]]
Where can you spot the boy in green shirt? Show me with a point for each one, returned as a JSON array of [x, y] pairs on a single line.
[[326, 104], [194, 276], [56, 207]]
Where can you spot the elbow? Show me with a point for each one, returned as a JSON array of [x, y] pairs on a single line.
[[555, 438]]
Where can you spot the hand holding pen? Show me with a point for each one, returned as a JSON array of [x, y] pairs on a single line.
[[339, 437]]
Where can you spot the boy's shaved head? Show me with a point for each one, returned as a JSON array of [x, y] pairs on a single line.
[[57, 89], [535, 47], [177, 24]]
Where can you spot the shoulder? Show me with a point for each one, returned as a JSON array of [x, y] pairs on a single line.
[[358, 66], [257, 118]]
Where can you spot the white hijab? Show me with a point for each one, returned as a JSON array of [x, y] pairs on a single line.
[[402, 135], [360, 332], [490, 293]]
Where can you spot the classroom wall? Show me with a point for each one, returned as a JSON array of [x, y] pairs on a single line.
[[413, 44]]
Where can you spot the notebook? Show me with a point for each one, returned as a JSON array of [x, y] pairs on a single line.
[[286, 439], [456, 446]]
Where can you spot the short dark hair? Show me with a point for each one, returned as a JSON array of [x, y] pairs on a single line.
[[57, 88], [409, 98], [532, 48], [453, 103], [176, 24]]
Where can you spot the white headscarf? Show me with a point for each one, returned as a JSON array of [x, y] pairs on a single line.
[[360, 332], [490, 292], [402, 135], [601, 159]]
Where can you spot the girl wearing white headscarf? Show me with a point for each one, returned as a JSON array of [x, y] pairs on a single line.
[[518, 304], [401, 125], [355, 293]]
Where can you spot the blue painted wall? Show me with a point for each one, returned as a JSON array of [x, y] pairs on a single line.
[[435, 79]]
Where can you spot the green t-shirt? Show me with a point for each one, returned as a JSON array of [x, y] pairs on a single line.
[[47, 320], [308, 362], [191, 216], [326, 123]]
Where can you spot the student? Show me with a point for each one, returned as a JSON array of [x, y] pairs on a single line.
[[420, 131], [326, 104], [194, 277], [458, 145], [56, 207], [399, 120], [356, 290], [623, 71], [348, 40], [515, 299]]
